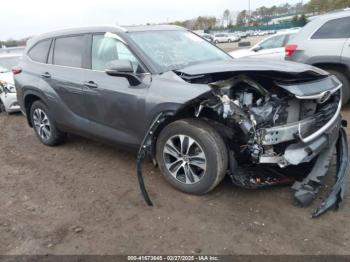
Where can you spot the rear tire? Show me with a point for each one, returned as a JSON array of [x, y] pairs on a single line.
[[346, 84], [2, 107], [44, 126], [200, 164]]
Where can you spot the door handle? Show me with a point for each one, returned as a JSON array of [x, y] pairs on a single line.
[[90, 84], [46, 75]]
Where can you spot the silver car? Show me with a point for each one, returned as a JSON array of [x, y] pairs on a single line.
[[325, 42], [8, 96], [269, 48]]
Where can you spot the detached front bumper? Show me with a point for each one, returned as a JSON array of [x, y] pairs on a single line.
[[307, 189], [319, 146]]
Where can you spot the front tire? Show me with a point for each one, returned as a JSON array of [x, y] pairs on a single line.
[[192, 156], [44, 126]]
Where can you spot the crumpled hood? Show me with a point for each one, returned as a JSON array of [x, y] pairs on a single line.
[[250, 64]]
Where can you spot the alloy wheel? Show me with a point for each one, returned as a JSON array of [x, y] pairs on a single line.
[[185, 159], [42, 124]]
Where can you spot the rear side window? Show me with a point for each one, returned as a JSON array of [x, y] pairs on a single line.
[[40, 51], [337, 28], [273, 42], [69, 51]]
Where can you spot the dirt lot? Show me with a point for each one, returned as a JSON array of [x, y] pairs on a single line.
[[83, 198]]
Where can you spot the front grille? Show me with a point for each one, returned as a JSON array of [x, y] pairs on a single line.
[[314, 121], [324, 113]]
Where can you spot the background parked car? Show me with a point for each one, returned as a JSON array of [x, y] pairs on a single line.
[[325, 42], [225, 38], [208, 37], [234, 37], [8, 97], [243, 34], [270, 48]]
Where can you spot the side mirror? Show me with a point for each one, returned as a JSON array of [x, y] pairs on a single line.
[[123, 68], [256, 48]]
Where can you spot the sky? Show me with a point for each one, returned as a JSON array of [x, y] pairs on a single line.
[[23, 18]]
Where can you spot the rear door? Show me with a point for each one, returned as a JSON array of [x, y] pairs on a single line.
[[65, 71], [272, 48]]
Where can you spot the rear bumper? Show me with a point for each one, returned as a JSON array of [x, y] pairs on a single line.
[[13, 108], [10, 103]]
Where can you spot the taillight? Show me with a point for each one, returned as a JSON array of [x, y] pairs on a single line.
[[16, 70], [290, 49]]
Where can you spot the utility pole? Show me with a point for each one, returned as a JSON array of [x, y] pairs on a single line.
[[249, 13]]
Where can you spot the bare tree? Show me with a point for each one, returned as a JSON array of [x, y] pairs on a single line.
[[226, 17]]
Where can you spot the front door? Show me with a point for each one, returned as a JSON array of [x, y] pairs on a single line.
[[113, 106]]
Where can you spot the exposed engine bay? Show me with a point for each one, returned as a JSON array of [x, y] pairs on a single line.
[[265, 119], [279, 130]]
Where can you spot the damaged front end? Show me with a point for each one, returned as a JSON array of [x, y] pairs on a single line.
[[279, 125], [280, 128]]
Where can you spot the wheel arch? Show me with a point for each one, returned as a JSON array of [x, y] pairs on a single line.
[[186, 112], [30, 96]]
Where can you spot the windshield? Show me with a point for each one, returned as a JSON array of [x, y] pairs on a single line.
[[6, 63], [171, 50]]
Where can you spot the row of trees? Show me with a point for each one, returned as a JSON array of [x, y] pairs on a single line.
[[13, 43], [243, 18], [260, 16], [317, 6], [199, 23], [263, 14]]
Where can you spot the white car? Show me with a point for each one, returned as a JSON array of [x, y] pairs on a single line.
[[225, 38], [8, 96], [271, 48]]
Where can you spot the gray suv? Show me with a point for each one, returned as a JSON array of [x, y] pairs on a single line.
[[195, 111], [325, 42]]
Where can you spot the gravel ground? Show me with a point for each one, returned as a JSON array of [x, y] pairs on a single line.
[[83, 198]]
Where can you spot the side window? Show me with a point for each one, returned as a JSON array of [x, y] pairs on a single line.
[[69, 51], [289, 38], [333, 29], [107, 49], [273, 42], [39, 52]]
